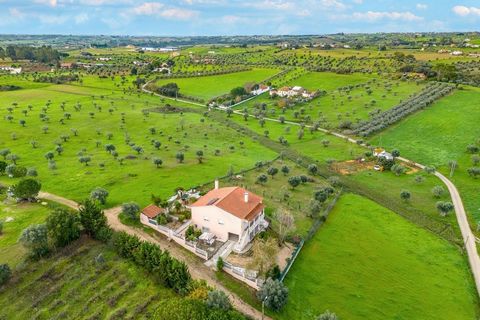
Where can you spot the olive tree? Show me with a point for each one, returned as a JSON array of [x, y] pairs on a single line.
[[35, 239], [131, 210], [99, 194], [274, 294]]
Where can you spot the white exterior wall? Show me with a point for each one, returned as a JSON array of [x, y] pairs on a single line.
[[214, 215]]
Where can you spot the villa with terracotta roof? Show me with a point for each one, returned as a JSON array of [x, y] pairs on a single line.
[[230, 214]]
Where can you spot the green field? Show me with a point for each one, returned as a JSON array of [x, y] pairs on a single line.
[[211, 86], [368, 263], [137, 178], [72, 284], [279, 195], [365, 95], [440, 134], [23, 215]]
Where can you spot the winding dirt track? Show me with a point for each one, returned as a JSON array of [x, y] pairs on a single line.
[[196, 267]]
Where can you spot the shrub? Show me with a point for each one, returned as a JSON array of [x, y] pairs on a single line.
[[5, 274], [169, 271], [26, 189], [218, 300], [220, 263], [94, 221], [35, 239], [327, 315], [405, 195], [192, 233], [274, 272], [438, 191], [63, 227], [131, 210], [99, 194]]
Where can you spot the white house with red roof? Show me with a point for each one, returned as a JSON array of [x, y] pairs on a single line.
[[231, 214]]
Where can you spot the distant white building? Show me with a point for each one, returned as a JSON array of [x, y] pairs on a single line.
[[11, 70], [381, 153], [291, 92]]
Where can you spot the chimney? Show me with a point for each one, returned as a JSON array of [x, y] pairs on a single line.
[[216, 184], [245, 196]]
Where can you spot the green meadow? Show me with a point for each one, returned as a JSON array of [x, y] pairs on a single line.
[[211, 86], [132, 175], [366, 262], [439, 135]]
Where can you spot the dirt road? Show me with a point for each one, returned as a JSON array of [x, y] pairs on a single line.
[[196, 267]]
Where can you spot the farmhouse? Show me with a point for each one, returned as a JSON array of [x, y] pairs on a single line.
[[381, 153], [231, 214], [290, 92]]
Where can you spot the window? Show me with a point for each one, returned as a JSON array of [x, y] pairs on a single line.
[[221, 222]]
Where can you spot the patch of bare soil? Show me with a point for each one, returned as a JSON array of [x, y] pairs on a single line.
[[352, 166]]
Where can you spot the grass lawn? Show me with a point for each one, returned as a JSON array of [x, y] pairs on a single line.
[[24, 215], [212, 86], [439, 134], [368, 263]]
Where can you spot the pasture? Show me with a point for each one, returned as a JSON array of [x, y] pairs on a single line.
[[366, 262], [128, 172], [73, 284], [211, 86], [349, 99], [16, 217], [439, 135]]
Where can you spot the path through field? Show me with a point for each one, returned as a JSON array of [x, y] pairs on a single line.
[[196, 267]]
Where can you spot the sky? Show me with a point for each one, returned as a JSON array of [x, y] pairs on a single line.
[[235, 17]]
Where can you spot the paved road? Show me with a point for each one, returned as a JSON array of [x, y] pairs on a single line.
[[196, 267], [467, 234], [469, 238]]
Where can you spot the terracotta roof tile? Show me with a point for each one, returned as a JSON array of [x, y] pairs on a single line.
[[152, 211], [232, 200]]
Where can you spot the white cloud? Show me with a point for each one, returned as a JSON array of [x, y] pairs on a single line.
[[52, 3], [179, 14], [158, 9], [16, 13], [421, 6], [52, 19], [303, 13], [231, 19], [466, 11], [372, 16], [271, 5], [335, 4], [358, 1], [148, 8], [81, 18]]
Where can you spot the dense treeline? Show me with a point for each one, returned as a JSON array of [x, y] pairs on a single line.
[[44, 54], [419, 101], [169, 271], [57, 79]]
